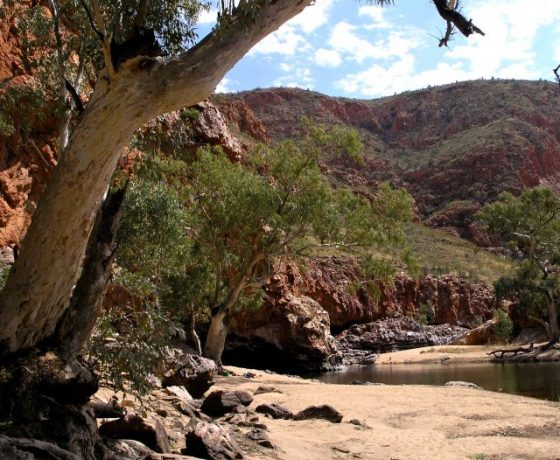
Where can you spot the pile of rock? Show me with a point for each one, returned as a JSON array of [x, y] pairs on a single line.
[[173, 424]]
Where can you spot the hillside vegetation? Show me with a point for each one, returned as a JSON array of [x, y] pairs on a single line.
[[454, 147]]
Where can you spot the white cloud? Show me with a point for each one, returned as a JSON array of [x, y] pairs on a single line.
[[301, 77], [511, 28], [312, 17], [327, 58], [284, 41], [345, 40], [208, 17], [507, 50], [285, 66], [290, 39], [223, 86], [377, 15]]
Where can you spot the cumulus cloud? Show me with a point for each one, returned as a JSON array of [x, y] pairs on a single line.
[[300, 77], [286, 41], [223, 86], [313, 17], [208, 17], [376, 15], [507, 50], [511, 30], [292, 38], [345, 40], [327, 58]]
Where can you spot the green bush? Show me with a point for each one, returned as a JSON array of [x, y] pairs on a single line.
[[504, 326]]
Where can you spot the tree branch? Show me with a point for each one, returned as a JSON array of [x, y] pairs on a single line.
[[452, 16], [105, 38], [556, 74], [182, 81]]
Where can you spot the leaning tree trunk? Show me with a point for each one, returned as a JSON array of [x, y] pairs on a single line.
[[216, 337], [553, 322], [76, 326], [40, 285]]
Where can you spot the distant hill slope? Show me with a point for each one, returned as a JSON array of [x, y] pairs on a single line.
[[454, 147]]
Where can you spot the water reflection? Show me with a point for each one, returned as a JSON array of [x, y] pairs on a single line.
[[538, 380]]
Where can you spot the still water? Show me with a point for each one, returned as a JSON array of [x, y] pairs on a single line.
[[539, 380]]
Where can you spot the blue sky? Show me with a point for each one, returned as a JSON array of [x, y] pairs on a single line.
[[352, 49]]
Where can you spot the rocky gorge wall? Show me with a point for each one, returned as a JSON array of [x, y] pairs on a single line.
[[454, 147], [315, 317]]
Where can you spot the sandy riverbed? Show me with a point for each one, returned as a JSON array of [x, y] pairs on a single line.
[[405, 422]]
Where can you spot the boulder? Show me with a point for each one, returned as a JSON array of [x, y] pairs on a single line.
[[393, 334], [459, 383], [221, 402], [275, 411], [148, 431], [179, 392], [324, 411], [211, 442], [289, 334], [260, 437], [195, 373], [265, 389], [480, 335], [129, 449]]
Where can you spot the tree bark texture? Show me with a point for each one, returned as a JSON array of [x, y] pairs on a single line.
[[77, 323], [216, 338], [40, 285]]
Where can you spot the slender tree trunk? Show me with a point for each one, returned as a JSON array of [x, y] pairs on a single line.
[[194, 336], [77, 324], [216, 337], [553, 322]]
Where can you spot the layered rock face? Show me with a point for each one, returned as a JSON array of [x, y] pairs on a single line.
[[27, 154], [453, 147], [305, 307]]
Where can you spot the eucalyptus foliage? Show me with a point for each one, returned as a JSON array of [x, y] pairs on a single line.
[[530, 225]]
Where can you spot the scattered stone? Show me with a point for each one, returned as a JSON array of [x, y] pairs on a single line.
[[148, 431], [249, 375], [169, 457], [240, 409], [153, 381], [369, 359], [324, 411], [221, 402], [275, 411], [264, 389], [112, 409], [130, 449], [195, 373], [162, 412], [209, 441], [179, 392], [459, 383], [358, 423], [184, 408], [260, 437]]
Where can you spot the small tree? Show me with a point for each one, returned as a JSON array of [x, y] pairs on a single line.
[[530, 224], [279, 205]]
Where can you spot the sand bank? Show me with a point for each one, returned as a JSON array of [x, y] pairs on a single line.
[[405, 422]]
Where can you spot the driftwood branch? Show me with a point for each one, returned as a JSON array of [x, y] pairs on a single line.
[[510, 353]]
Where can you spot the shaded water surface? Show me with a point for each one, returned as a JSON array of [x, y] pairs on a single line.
[[539, 380]]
